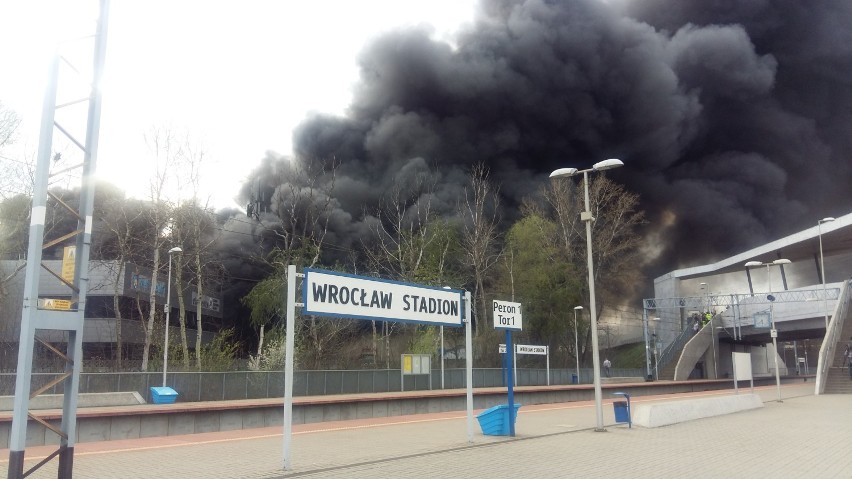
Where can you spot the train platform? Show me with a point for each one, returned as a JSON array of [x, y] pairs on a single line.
[[802, 436]]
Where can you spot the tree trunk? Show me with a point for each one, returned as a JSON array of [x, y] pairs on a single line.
[[116, 306], [199, 328], [152, 311], [182, 313]]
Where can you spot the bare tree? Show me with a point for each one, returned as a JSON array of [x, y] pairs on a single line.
[[615, 239], [402, 237], [296, 224], [166, 151], [480, 214], [121, 222], [16, 172]]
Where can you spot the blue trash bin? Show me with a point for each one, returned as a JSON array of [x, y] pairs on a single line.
[[163, 395], [574, 379], [622, 409], [494, 421]]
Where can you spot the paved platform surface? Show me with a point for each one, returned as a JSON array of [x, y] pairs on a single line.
[[803, 436]]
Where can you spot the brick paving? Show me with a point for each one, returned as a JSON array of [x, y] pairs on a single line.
[[805, 436]]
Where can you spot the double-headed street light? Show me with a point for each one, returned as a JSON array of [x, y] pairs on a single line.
[[168, 310], [773, 331], [586, 216], [577, 343], [822, 269]]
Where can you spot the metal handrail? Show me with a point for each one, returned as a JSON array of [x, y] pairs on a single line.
[[835, 326], [674, 347]]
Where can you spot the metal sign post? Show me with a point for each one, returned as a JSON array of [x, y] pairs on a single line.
[[330, 293], [510, 383], [508, 316]]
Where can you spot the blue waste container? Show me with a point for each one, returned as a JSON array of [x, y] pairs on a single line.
[[622, 409], [574, 379], [163, 395], [494, 421]]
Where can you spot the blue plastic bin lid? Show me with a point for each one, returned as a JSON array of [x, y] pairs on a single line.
[[627, 395], [497, 408], [164, 391]]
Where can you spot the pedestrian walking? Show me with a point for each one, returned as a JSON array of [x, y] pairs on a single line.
[[849, 360], [607, 365]]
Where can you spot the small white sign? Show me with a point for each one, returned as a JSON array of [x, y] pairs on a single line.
[[527, 349], [501, 349], [507, 315], [773, 333]]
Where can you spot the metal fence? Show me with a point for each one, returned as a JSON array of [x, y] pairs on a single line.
[[219, 386]]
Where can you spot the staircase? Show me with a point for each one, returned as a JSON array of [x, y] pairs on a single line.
[[837, 381]]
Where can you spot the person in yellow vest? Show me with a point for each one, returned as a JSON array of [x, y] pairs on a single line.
[[707, 317]]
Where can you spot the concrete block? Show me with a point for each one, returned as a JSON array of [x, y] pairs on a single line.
[[5, 432], [93, 429], [250, 419], [313, 414], [207, 422], [664, 414], [364, 410], [380, 409], [394, 408], [180, 424], [125, 427], [331, 412], [233, 420], [275, 416], [154, 426], [408, 406], [54, 401]]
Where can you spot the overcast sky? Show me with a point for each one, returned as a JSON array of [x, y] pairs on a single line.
[[237, 76]]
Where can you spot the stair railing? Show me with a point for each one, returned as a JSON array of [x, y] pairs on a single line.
[[835, 326], [675, 347]]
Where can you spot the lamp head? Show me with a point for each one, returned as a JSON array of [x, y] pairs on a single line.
[[563, 172], [175, 250], [607, 164], [753, 263], [578, 307], [782, 261], [827, 220]]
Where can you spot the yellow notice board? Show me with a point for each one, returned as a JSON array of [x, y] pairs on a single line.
[[69, 258], [49, 303], [414, 364]]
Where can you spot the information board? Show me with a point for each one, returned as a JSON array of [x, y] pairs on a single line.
[[507, 315], [329, 293]]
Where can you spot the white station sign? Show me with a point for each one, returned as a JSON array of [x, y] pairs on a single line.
[[328, 293], [527, 349], [507, 315]]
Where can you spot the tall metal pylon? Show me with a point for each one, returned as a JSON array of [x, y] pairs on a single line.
[[36, 315]]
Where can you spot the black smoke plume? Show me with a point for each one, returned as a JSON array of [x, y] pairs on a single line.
[[733, 118]]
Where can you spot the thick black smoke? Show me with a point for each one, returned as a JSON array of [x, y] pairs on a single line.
[[733, 117]]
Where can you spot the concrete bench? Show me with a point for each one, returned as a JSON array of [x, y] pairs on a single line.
[[54, 401], [664, 414]]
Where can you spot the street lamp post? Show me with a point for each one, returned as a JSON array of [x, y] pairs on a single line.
[[822, 270], [168, 310], [773, 331], [577, 343], [656, 340], [586, 216], [712, 329]]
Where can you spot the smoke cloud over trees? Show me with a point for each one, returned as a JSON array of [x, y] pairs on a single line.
[[732, 118]]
